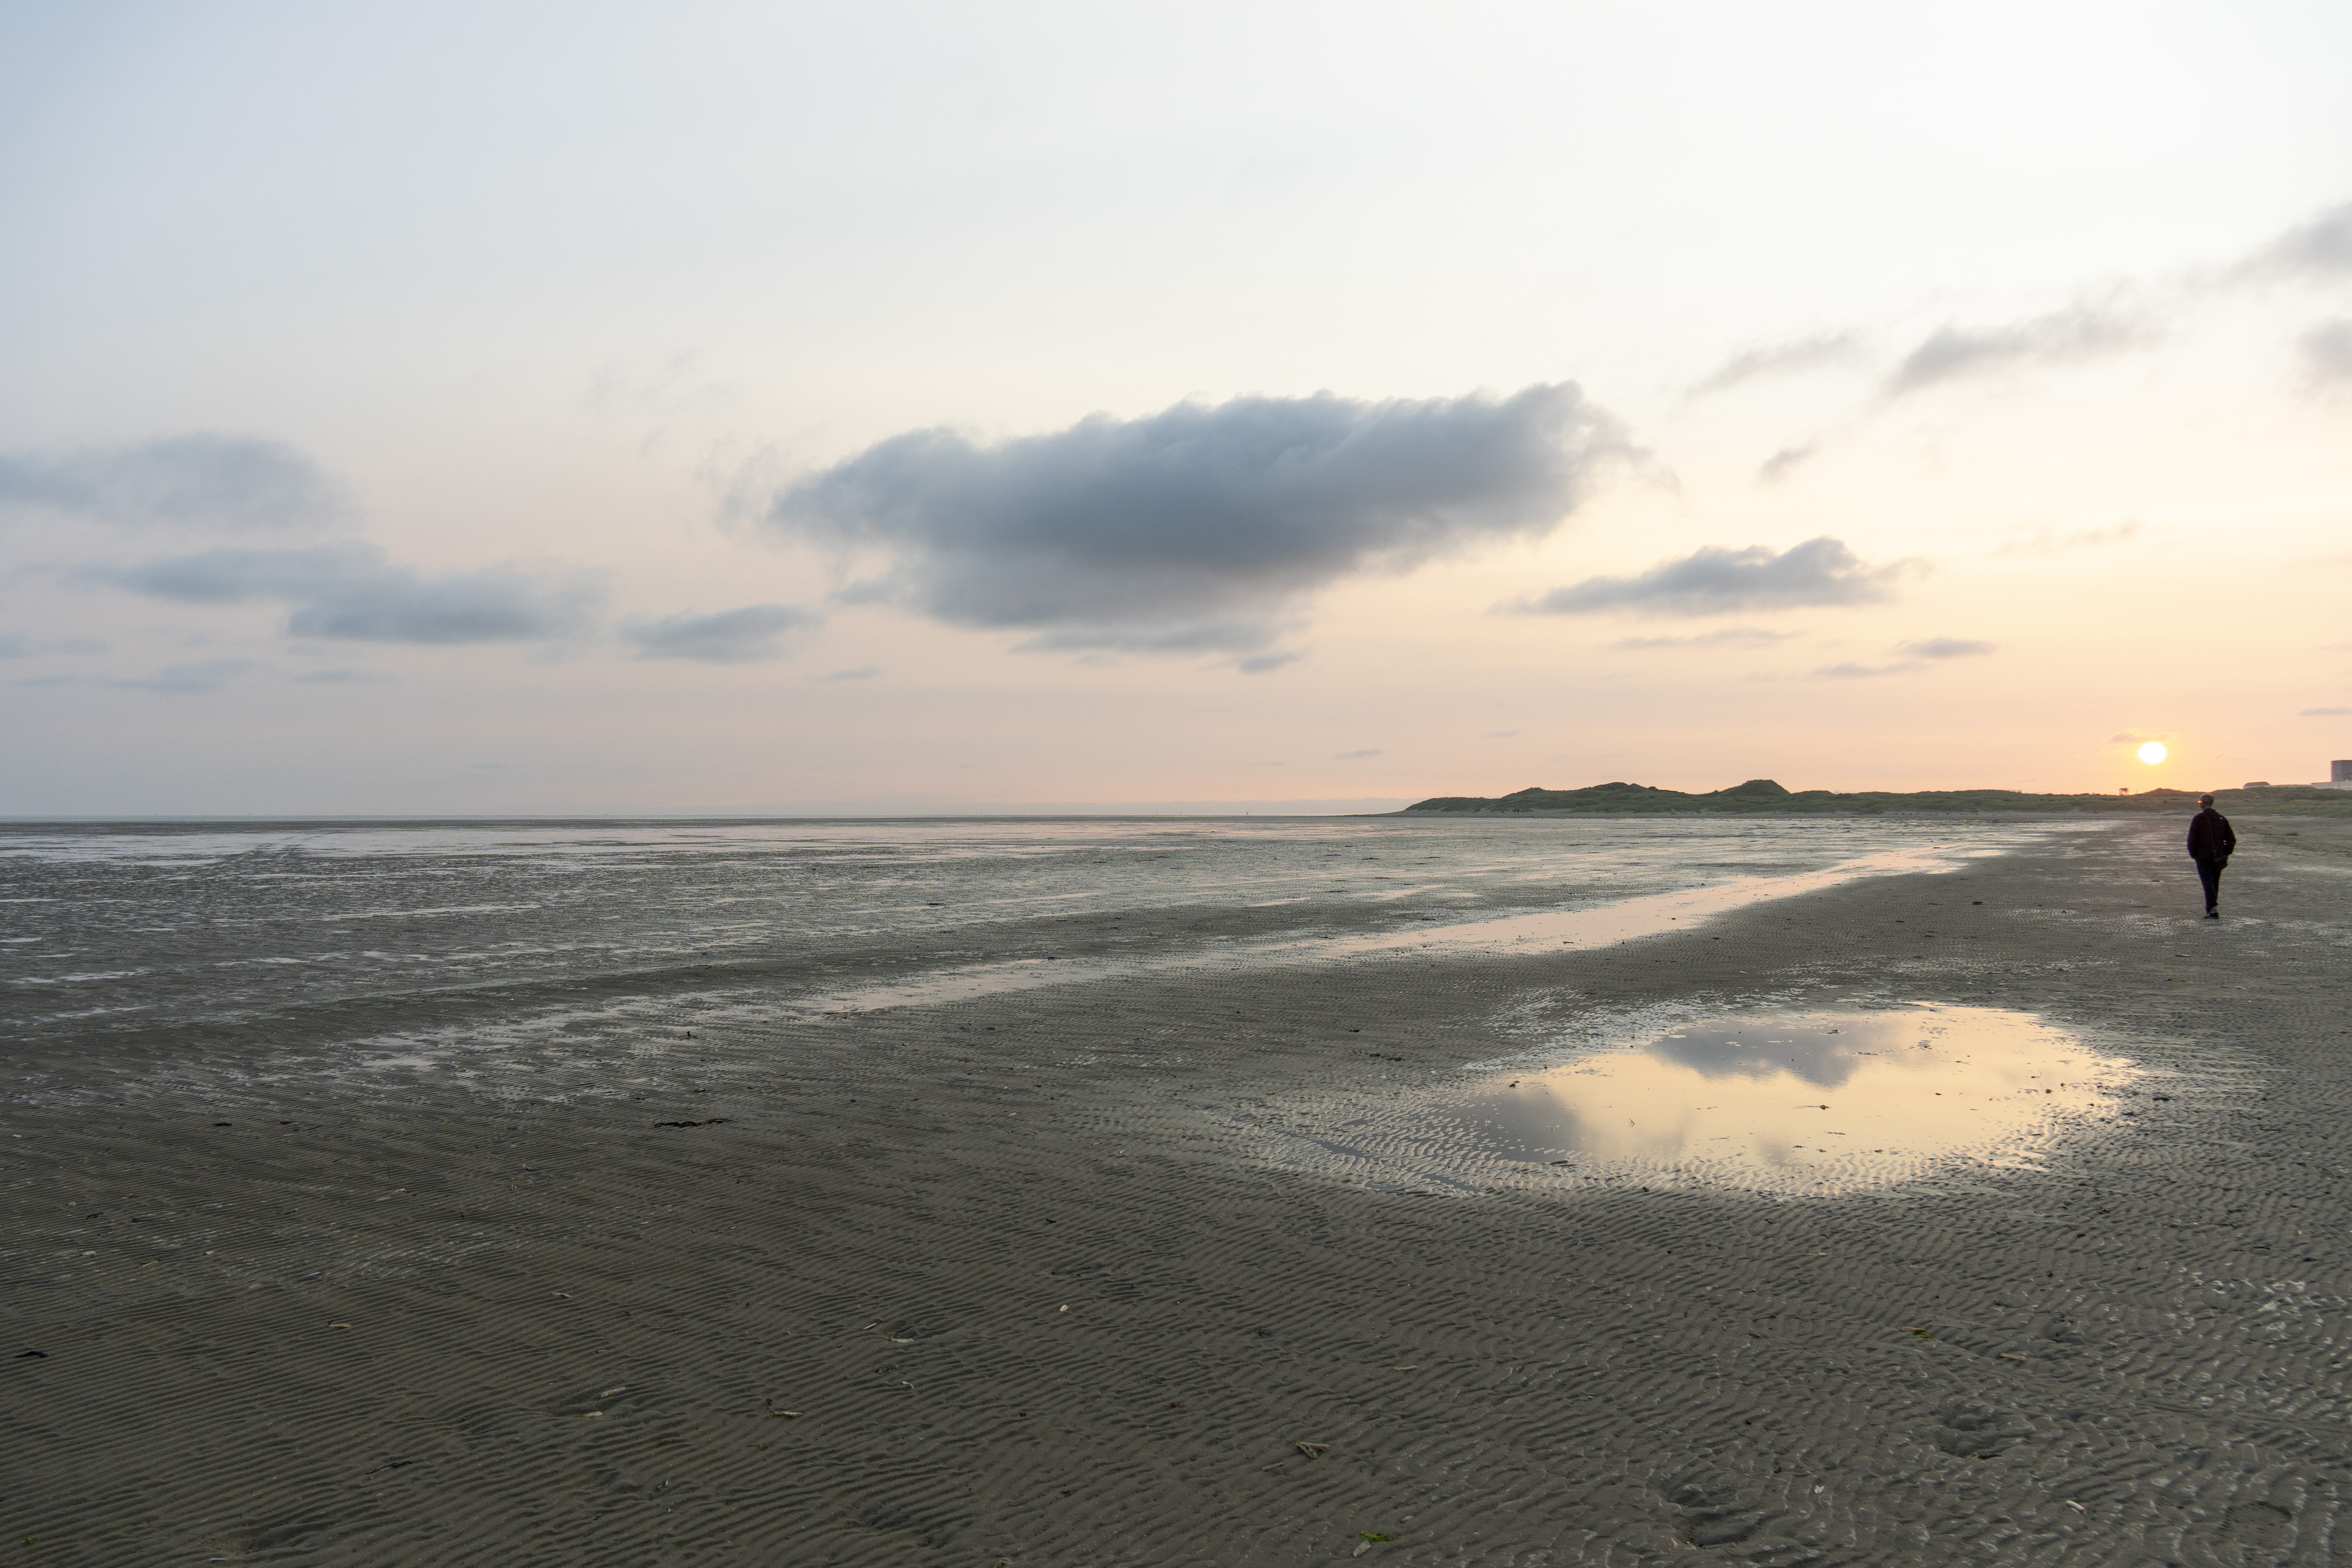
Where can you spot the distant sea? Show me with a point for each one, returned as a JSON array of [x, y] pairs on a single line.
[[137, 925]]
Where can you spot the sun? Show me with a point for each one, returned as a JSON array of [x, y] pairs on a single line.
[[2152, 752]]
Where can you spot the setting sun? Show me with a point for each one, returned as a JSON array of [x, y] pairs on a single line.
[[2152, 752]]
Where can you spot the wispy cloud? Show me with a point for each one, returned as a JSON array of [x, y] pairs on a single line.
[[353, 592], [1266, 663], [2052, 541], [2134, 738], [14, 645], [1357, 756], [1728, 637], [199, 678], [2318, 248], [1864, 671], [1190, 530], [2325, 713], [341, 677], [744, 635], [2077, 334], [1823, 350], [863, 672], [1784, 462], [1948, 648], [2326, 350], [1718, 581], [194, 481]]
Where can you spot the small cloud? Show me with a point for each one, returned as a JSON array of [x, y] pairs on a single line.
[[2078, 332], [2050, 541], [190, 680], [202, 480], [1356, 756], [1730, 636], [2320, 247], [340, 678], [1822, 351], [746, 636], [1501, 734], [1193, 529], [2325, 713], [1264, 663], [12, 645], [1946, 648], [1783, 463], [1716, 581], [2326, 352], [353, 592], [2134, 738], [1863, 671], [863, 672]]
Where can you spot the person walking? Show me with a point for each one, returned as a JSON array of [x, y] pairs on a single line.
[[2210, 842]]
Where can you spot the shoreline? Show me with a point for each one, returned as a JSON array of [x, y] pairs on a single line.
[[569, 1318]]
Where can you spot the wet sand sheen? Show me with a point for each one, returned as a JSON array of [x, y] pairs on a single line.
[[1023, 1276]]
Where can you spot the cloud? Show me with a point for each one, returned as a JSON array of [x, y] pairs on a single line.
[[2327, 354], [2134, 738], [1817, 353], [1190, 529], [2325, 713], [14, 645], [190, 680], [232, 482], [1946, 648], [1356, 756], [863, 672], [352, 592], [340, 677], [1730, 636], [2320, 247], [2049, 542], [2077, 333], [1716, 581], [1266, 663], [1863, 671], [747, 636], [1783, 463]]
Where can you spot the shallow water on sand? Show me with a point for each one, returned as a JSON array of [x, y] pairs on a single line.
[[107, 926], [1814, 1102], [1774, 1101]]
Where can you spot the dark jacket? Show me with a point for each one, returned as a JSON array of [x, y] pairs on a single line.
[[2209, 838]]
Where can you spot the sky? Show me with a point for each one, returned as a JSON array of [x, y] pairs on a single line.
[[508, 408]]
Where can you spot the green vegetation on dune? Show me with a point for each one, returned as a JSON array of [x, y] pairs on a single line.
[[1763, 797]]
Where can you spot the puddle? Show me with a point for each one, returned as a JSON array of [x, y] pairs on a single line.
[[1812, 1102]]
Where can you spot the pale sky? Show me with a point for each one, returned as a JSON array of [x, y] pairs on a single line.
[[509, 408]]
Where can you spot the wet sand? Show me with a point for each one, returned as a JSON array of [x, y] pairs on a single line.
[[1037, 1277]]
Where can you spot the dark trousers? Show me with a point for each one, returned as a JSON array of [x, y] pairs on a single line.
[[2209, 873]]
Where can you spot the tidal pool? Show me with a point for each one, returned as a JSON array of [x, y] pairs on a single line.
[[1817, 1102]]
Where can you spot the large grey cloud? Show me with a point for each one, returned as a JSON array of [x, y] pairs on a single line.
[[1190, 529], [231, 482], [744, 635], [2078, 332], [1716, 581], [352, 592]]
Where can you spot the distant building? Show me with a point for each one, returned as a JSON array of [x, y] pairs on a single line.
[[2340, 772], [2256, 783]]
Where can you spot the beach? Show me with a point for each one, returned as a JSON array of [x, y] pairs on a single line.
[[1085, 1272]]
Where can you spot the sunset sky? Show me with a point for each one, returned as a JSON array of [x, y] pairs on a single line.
[[516, 408]]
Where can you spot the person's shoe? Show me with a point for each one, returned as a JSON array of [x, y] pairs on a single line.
[[2212, 914]]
